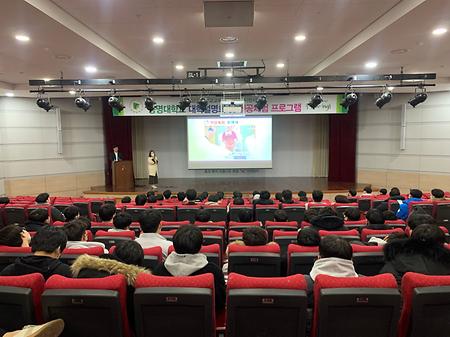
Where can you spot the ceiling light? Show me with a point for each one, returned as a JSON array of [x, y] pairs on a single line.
[[72, 92], [261, 102], [44, 103], [9, 94], [228, 39], [229, 74], [349, 99], [149, 103], [439, 31], [371, 65], [315, 101], [280, 65], [82, 103], [390, 88], [184, 103], [300, 37], [418, 98], [22, 38], [319, 88], [46, 79], [383, 99], [179, 67], [115, 103], [158, 40], [90, 69], [229, 55], [203, 103]]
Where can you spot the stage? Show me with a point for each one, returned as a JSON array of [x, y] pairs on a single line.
[[228, 185]]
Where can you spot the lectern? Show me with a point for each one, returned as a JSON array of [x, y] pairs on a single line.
[[123, 175]]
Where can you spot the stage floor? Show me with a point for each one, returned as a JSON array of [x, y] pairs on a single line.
[[228, 185]]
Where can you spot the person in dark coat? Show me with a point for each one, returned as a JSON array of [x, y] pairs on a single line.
[[328, 220], [187, 261], [423, 252], [44, 199], [37, 219]]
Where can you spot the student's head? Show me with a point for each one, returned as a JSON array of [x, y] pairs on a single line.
[[140, 199], [374, 216], [418, 218], [279, 196], [122, 220], [310, 214], [394, 192], [238, 201], [308, 237], [152, 199], [49, 240], [125, 200], [213, 198], [149, 193], [203, 215], [255, 192], [245, 215], [129, 252], [334, 246], [167, 194], [116, 149], [287, 195], [71, 212], [415, 193], [188, 240], [107, 212], [437, 193], [75, 230], [367, 189], [220, 194], [150, 221], [254, 236], [38, 215], [14, 236], [341, 199], [280, 215], [237, 194], [86, 221], [389, 215], [191, 194], [203, 196], [383, 191], [428, 235], [181, 196], [302, 196], [265, 195], [4, 200], [42, 198], [317, 195], [352, 192], [159, 197], [352, 214], [151, 153]]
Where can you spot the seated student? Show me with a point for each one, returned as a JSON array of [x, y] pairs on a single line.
[[149, 193], [44, 199], [150, 222], [159, 197], [121, 222], [126, 200], [152, 199], [352, 193], [140, 200], [37, 219], [245, 215], [238, 201], [181, 196], [382, 191], [302, 196], [264, 199], [71, 213], [167, 194], [437, 194], [221, 195], [280, 215], [423, 253], [256, 196], [77, 236], [328, 219], [107, 212], [394, 194], [389, 215], [213, 200], [237, 194], [341, 199], [418, 218], [287, 197], [203, 215], [279, 196], [14, 236], [191, 196], [308, 237], [47, 246], [4, 200], [367, 191], [86, 222], [352, 214], [310, 214], [317, 197], [414, 195], [375, 219], [203, 196], [187, 261]]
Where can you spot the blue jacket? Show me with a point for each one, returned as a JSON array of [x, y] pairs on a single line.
[[403, 211]]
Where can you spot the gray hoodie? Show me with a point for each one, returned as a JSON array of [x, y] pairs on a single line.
[[185, 264]]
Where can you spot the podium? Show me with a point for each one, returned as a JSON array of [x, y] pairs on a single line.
[[123, 175]]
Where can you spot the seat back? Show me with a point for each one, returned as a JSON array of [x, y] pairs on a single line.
[[217, 213], [87, 306], [85, 207], [169, 225], [240, 226], [426, 306], [368, 260], [69, 255], [372, 303], [341, 208], [265, 213], [234, 211], [273, 306], [349, 235], [262, 261], [15, 214], [212, 253], [136, 211], [211, 226], [426, 206], [8, 255], [393, 205], [213, 237], [110, 239], [188, 213], [295, 212], [364, 204], [274, 225], [20, 300], [366, 233], [168, 213], [301, 259], [442, 212], [164, 305]]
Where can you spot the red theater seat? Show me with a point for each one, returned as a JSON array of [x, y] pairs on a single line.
[[295, 212], [368, 260], [235, 209], [355, 224], [259, 306], [187, 212], [217, 213], [15, 213], [349, 235], [211, 226], [70, 254], [169, 225], [168, 234], [263, 261], [9, 255], [112, 238], [301, 259], [274, 225], [240, 226], [426, 206], [265, 213], [213, 237], [366, 234]]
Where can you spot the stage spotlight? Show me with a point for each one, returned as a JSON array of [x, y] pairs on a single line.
[[349, 99], [114, 102], [149, 103], [261, 102], [203, 104], [315, 101], [44, 103], [418, 98], [82, 103], [385, 98], [185, 102]]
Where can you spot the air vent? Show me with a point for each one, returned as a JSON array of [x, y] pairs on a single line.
[[231, 64], [229, 13]]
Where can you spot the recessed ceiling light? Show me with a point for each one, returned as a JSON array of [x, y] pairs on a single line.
[[229, 74], [46, 79], [390, 88], [158, 40], [280, 65], [300, 37], [371, 65], [439, 31], [229, 55], [399, 51], [319, 88], [179, 67], [9, 94], [90, 69], [22, 38], [72, 92], [228, 39]]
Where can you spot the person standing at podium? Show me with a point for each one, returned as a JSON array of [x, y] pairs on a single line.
[[116, 155], [152, 169]]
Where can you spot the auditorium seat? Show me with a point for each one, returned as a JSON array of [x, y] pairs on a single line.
[[319, 205], [168, 212], [274, 225], [261, 261], [355, 306], [395, 223], [426, 206], [265, 213], [240, 226], [341, 208], [61, 206], [89, 307], [366, 233], [136, 211], [31, 208], [212, 253], [301, 259], [174, 306], [187, 212], [295, 212], [235, 209], [393, 205], [15, 213], [378, 201], [9, 254], [218, 213], [273, 306], [364, 203], [234, 235], [169, 225], [69, 255], [103, 226], [442, 212], [284, 239], [97, 203], [355, 224], [112, 238], [214, 237], [168, 234], [20, 300], [211, 226], [348, 235], [84, 205], [426, 306], [368, 260]]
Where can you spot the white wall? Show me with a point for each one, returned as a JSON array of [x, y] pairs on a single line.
[[427, 153], [28, 140], [292, 152]]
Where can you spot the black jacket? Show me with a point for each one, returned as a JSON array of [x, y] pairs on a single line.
[[113, 157], [219, 281], [33, 226], [47, 266], [404, 256], [328, 223]]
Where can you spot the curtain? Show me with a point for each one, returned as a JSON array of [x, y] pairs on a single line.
[[140, 153], [320, 151]]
